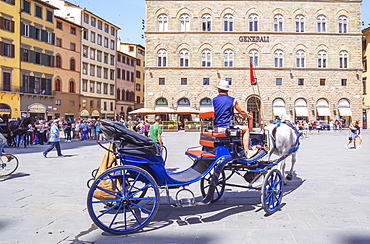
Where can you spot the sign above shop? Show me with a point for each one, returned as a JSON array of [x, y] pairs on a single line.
[[254, 38], [37, 108]]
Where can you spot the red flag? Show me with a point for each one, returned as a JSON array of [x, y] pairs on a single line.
[[253, 80]]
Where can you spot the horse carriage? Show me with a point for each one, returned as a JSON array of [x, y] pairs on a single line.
[[125, 197]]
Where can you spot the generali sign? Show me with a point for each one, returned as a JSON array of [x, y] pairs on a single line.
[[254, 38]]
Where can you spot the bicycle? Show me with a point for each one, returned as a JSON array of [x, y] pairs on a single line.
[[8, 164]]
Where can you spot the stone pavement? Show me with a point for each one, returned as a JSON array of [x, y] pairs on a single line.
[[44, 201]]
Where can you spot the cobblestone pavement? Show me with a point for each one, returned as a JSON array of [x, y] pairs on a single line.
[[44, 201]]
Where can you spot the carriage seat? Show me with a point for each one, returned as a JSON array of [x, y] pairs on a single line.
[[128, 141], [200, 155]]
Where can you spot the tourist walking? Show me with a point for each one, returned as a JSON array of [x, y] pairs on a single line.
[[155, 132], [54, 140], [352, 135]]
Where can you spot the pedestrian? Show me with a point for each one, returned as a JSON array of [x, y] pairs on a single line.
[[318, 127], [29, 135], [146, 128], [358, 137], [54, 140], [40, 132], [68, 129], [155, 132], [352, 135], [84, 128]]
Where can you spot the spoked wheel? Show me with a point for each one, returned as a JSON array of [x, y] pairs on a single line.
[[8, 164], [123, 199], [272, 191], [205, 183]]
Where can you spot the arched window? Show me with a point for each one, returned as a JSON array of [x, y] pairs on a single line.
[[228, 58], [206, 58], [206, 22], [162, 58], [300, 59], [123, 95], [228, 22], [299, 23], [162, 22], [58, 85], [253, 22], [58, 61], [183, 102], [253, 57], [118, 94], [343, 59], [206, 102], [72, 64], [184, 58], [278, 58], [321, 23], [71, 86], [161, 102], [278, 23], [184, 22], [321, 59], [128, 97], [342, 24]]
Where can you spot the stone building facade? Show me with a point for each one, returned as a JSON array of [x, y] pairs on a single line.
[[366, 76], [306, 56]]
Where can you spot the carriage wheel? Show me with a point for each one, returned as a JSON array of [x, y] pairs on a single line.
[[8, 167], [94, 172], [220, 187], [123, 199], [272, 191]]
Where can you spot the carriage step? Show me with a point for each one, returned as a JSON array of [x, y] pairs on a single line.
[[200, 155]]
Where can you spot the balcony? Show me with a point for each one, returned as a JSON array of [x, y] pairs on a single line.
[[38, 91], [9, 88]]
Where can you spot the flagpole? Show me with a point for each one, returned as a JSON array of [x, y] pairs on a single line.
[[254, 81]]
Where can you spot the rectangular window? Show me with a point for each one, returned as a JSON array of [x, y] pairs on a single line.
[[111, 59], [37, 58], [105, 74], [6, 50], [38, 11], [49, 15], [123, 74], [92, 70], [98, 56], [26, 30], [25, 55], [111, 74], [184, 81], [106, 28], [92, 37], [111, 106], [6, 81], [59, 25], [86, 34], [106, 58], [84, 68], [84, 85], [98, 87], [98, 72], [364, 86], [118, 73], [105, 89], [26, 7], [132, 76], [92, 21], [138, 74], [73, 31], [112, 44], [111, 89], [300, 82], [91, 103], [162, 81], [86, 18], [279, 81], [92, 86], [72, 46], [85, 51], [205, 81], [105, 106], [84, 103], [99, 40], [105, 42], [92, 54], [6, 24], [112, 31], [322, 82], [100, 25], [58, 42], [344, 82]]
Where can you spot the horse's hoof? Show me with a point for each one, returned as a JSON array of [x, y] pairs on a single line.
[[289, 177]]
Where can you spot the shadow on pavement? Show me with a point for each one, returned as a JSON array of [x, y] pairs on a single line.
[[13, 176]]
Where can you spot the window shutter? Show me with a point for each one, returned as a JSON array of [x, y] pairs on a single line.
[[32, 84], [22, 29], [12, 26], [32, 56], [1, 23], [12, 2], [21, 54], [43, 59], [43, 84], [12, 50], [32, 32], [44, 36], [1, 48], [53, 39], [52, 61]]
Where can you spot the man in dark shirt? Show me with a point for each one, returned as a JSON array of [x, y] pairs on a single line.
[[224, 106]]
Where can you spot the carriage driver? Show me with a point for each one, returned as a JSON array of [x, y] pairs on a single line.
[[224, 106]]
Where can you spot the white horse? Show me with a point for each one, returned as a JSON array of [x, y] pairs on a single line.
[[283, 140]]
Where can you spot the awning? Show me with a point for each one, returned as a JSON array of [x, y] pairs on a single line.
[[345, 111], [206, 108], [142, 111], [84, 113], [278, 111], [323, 111], [186, 110], [164, 110], [301, 111], [95, 113]]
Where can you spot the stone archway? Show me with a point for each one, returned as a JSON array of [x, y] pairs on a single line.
[[254, 106]]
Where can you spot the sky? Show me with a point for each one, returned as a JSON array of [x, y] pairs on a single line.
[[129, 14]]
